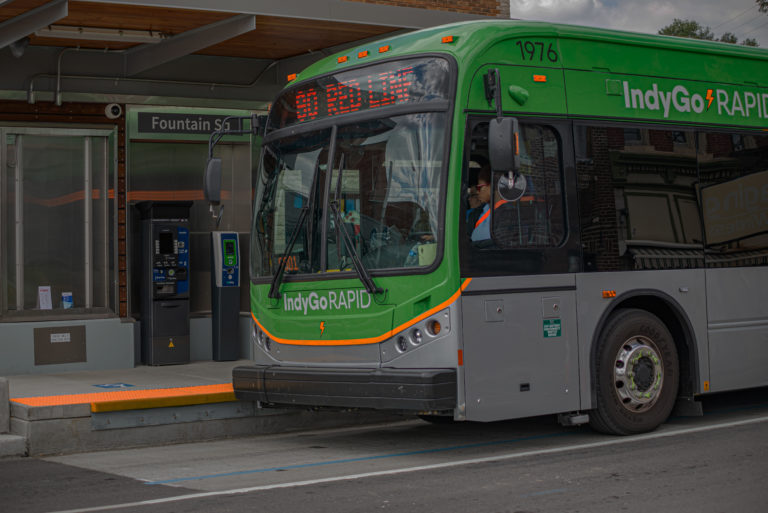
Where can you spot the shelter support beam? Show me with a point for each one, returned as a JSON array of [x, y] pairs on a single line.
[[150, 55], [340, 11], [25, 24]]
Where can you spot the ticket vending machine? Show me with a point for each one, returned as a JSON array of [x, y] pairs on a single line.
[[225, 295], [165, 276]]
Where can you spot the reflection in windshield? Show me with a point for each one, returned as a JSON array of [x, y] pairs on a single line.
[[385, 182], [285, 186]]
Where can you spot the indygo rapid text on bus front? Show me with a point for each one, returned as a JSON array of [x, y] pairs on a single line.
[[327, 300]]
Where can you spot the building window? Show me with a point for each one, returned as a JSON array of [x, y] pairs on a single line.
[[57, 221], [734, 205], [738, 142], [633, 136], [638, 204]]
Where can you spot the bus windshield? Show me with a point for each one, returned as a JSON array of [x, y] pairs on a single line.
[[383, 192]]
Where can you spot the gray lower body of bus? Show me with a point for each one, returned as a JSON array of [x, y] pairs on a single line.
[[620, 347]]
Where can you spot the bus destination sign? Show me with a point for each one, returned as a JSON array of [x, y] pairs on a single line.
[[359, 93], [373, 87]]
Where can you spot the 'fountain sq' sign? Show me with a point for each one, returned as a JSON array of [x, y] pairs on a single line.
[[191, 123]]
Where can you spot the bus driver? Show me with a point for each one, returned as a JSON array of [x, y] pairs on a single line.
[[482, 230]]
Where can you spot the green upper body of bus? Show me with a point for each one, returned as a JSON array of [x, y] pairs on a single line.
[[356, 222]]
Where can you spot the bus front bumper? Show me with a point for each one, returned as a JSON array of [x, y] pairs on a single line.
[[383, 389]]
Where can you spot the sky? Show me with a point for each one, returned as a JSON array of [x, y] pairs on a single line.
[[740, 17]]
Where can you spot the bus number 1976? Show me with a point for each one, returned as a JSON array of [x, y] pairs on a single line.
[[530, 50]]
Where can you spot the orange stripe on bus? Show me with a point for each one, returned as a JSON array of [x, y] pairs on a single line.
[[369, 340]]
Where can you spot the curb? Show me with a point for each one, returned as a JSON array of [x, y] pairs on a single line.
[[10, 445]]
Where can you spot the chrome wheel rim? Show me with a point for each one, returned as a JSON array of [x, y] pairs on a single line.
[[638, 374]]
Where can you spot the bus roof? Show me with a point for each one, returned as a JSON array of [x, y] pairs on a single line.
[[472, 38], [556, 70]]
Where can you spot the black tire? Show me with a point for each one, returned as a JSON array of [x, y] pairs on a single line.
[[637, 374]]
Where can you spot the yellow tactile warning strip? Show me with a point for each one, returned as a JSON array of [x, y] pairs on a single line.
[[138, 399]]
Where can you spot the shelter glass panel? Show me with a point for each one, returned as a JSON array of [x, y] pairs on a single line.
[[57, 221]]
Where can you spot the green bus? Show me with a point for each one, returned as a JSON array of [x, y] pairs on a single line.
[[501, 219]]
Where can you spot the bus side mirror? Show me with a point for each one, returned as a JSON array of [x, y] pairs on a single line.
[[504, 144], [212, 180], [504, 156]]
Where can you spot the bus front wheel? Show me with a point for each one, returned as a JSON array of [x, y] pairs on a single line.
[[636, 374]]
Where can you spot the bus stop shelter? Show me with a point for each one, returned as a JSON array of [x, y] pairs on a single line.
[[77, 80], [230, 49]]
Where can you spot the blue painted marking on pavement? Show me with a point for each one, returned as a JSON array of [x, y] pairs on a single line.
[[364, 458], [545, 492], [114, 385]]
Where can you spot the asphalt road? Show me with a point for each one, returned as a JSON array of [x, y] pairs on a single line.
[[714, 463]]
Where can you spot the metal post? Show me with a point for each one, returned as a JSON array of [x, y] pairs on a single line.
[[88, 218], [19, 215], [105, 213], [4, 244]]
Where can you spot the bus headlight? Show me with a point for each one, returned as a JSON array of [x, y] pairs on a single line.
[[416, 337], [401, 344]]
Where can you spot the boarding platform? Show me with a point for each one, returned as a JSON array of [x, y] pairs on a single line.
[[144, 406]]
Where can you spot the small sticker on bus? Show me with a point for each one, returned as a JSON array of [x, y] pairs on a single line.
[[552, 328]]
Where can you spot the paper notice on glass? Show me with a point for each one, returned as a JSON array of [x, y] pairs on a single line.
[[44, 298]]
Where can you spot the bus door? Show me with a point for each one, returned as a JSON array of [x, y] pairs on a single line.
[[519, 310], [520, 346]]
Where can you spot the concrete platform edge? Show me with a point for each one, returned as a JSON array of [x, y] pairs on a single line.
[[24, 412], [76, 434], [5, 407], [12, 446]]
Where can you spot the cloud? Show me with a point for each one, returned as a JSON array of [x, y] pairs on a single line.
[[646, 16]]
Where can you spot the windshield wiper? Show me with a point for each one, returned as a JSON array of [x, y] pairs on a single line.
[[362, 271], [274, 290]]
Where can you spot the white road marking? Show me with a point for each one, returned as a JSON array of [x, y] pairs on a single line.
[[448, 464]]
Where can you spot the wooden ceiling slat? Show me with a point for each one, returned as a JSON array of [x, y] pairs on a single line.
[[274, 37]]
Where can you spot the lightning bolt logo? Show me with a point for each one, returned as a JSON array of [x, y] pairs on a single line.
[[322, 327], [710, 98]]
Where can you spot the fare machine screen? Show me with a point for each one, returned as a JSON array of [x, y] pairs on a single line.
[[226, 260], [170, 261]]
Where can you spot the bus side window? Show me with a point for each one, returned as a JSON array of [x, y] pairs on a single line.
[[537, 218]]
